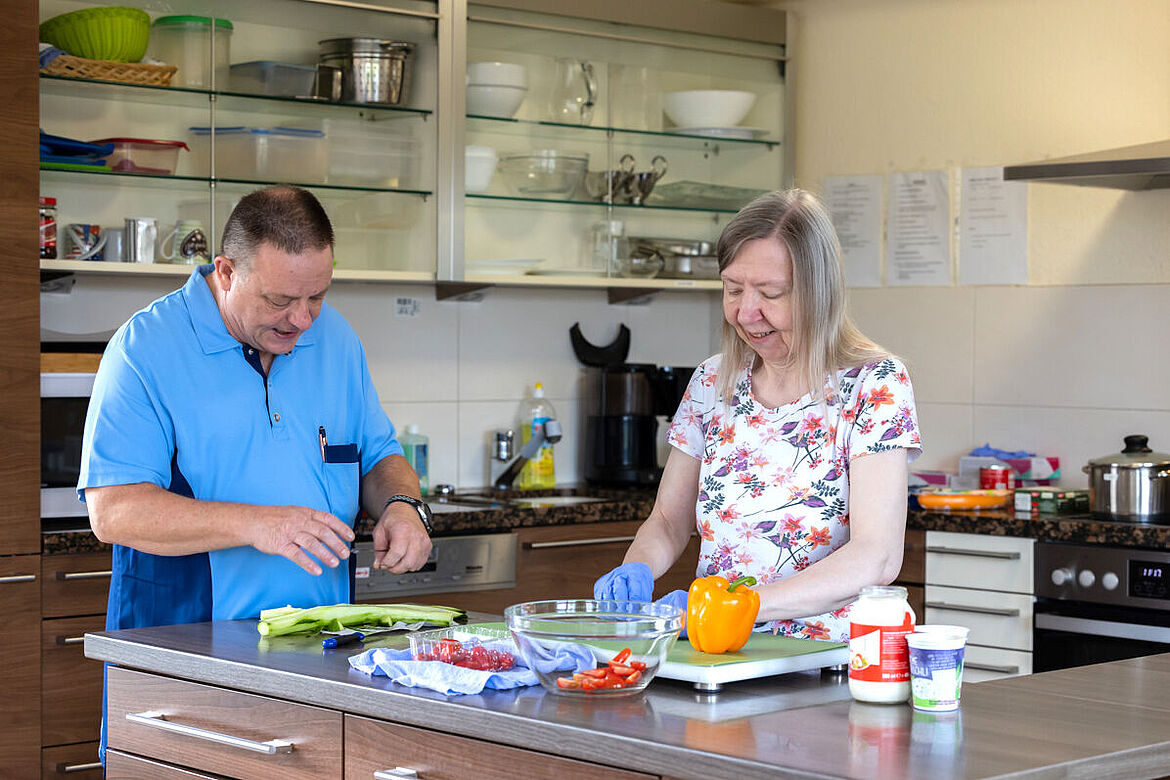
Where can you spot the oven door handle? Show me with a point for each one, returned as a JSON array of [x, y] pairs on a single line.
[[1075, 625]]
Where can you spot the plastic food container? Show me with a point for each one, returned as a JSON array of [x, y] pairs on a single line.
[[143, 155], [267, 154], [474, 647], [183, 41], [360, 152], [266, 77]]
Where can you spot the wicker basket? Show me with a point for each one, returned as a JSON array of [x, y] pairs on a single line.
[[103, 70]]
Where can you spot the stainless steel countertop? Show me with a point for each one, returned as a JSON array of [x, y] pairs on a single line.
[[797, 725]]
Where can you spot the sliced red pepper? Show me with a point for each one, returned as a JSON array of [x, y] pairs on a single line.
[[639, 665], [633, 678], [621, 657], [621, 669], [598, 672], [566, 682]]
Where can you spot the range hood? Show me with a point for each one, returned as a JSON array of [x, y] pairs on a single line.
[[1142, 167]]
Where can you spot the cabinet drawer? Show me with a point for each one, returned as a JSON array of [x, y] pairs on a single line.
[[71, 684], [994, 663], [199, 720], [995, 619], [77, 762], [373, 745], [77, 584], [123, 766], [975, 561]]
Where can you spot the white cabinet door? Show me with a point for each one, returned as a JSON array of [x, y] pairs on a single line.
[[996, 563], [995, 619]]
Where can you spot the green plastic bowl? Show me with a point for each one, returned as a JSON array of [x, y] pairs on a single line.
[[112, 33]]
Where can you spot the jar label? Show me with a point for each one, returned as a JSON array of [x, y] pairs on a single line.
[[879, 653]]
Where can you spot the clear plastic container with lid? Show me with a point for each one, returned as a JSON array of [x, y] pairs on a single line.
[[183, 41], [879, 660]]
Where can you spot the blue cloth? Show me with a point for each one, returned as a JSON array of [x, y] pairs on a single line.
[[451, 679], [176, 393], [987, 451], [677, 598], [628, 582]]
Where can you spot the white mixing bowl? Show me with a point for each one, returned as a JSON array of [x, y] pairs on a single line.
[[708, 107], [494, 100], [500, 74], [479, 164]]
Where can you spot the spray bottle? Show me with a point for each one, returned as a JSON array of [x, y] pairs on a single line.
[[414, 447], [540, 471]]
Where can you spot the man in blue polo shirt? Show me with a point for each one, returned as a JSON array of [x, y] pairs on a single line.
[[234, 431]]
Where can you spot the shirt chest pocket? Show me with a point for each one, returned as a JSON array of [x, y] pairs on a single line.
[[343, 473]]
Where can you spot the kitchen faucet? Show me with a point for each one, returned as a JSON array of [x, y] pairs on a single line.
[[549, 430]]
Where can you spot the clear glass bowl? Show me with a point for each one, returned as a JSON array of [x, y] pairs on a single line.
[[605, 629], [546, 173]]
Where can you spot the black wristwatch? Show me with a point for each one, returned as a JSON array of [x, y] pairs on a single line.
[[424, 511]]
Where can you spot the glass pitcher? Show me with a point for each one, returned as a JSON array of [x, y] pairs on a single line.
[[574, 92]]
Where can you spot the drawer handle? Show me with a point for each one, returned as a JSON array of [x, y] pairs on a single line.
[[992, 668], [156, 720], [84, 575], [396, 772], [70, 640], [68, 769], [1007, 556], [18, 578], [578, 542], [979, 610]]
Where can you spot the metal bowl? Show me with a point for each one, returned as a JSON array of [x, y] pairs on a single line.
[[546, 173]]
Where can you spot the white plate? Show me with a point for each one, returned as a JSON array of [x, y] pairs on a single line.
[[736, 133], [506, 267]]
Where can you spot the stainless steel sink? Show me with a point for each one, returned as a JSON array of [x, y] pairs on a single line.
[[541, 501]]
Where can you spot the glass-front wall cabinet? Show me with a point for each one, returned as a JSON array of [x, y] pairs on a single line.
[[621, 151], [264, 113]]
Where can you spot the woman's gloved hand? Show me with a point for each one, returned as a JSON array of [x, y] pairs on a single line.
[[677, 598], [628, 582]]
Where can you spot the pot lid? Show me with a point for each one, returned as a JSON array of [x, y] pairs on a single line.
[[1137, 454]]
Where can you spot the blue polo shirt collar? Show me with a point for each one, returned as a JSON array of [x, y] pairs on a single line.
[[208, 323]]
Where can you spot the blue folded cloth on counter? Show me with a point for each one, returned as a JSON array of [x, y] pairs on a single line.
[[987, 451], [451, 679]]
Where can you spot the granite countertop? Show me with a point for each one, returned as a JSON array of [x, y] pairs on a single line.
[[1106, 720], [635, 504]]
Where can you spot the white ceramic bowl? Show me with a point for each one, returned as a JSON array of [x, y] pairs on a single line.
[[479, 163], [503, 74], [708, 107], [485, 100]]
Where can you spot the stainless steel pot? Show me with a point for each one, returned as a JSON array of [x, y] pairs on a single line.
[[372, 70], [1133, 484]]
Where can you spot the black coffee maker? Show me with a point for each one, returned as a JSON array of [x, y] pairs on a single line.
[[621, 405]]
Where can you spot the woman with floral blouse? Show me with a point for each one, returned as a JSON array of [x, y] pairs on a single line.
[[790, 447]]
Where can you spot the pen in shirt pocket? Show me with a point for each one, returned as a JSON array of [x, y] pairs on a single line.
[[321, 440]]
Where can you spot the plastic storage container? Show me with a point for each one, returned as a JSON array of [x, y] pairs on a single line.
[[183, 41], [539, 472], [415, 447], [266, 77], [143, 155], [879, 660], [368, 153], [475, 647], [267, 154]]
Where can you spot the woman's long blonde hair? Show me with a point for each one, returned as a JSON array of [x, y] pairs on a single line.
[[824, 338]]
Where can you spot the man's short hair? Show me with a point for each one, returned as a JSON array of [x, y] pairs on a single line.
[[289, 218]]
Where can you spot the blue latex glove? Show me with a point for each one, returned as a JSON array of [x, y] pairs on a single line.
[[676, 598], [628, 582]]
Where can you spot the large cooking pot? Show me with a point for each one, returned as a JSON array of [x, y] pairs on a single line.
[[372, 70], [1133, 484]]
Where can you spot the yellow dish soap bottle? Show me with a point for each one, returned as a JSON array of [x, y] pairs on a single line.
[[539, 473]]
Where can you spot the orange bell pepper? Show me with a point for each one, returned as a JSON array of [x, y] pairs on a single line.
[[720, 615]]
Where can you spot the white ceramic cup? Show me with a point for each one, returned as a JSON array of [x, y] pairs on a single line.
[[115, 240], [186, 242]]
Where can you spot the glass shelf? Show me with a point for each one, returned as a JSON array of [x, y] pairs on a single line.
[[688, 139], [65, 86], [206, 180], [599, 204], [167, 269]]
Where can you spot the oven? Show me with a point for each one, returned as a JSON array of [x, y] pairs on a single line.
[[1096, 604], [64, 403]]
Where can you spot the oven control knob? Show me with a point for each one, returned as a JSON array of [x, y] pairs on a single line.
[[1061, 576], [1109, 580], [1086, 578]]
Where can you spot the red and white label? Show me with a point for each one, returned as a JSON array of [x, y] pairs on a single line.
[[879, 653]]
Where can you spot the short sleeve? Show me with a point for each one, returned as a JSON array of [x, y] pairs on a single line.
[[379, 439], [880, 411], [688, 429], [127, 439]]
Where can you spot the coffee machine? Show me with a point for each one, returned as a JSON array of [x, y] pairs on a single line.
[[621, 405]]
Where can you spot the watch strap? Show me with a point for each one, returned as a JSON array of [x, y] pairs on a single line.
[[424, 511]]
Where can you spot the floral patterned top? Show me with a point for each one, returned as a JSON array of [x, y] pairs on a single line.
[[774, 483]]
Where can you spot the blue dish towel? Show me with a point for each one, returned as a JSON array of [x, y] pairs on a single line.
[[451, 679]]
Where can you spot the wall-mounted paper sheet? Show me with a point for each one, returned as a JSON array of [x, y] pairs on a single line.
[[993, 228], [918, 226], [856, 205]]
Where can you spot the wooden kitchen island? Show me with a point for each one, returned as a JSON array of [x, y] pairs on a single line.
[[1110, 720]]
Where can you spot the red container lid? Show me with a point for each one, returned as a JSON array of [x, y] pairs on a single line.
[[140, 141], [48, 201]]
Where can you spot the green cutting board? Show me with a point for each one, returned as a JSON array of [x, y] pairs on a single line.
[[759, 647]]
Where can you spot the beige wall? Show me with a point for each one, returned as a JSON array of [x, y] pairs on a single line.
[[1078, 358]]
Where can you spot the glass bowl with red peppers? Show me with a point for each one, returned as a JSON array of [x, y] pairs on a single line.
[[628, 642], [473, 647]]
